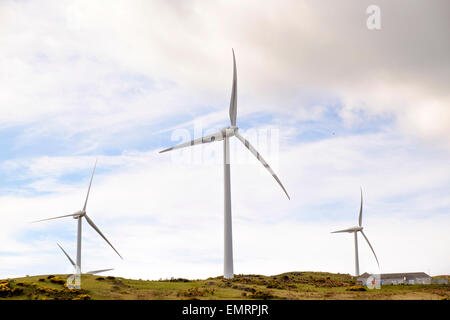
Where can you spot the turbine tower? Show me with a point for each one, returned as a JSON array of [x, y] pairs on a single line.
[[79, 215], [225, 134], [355, 231]]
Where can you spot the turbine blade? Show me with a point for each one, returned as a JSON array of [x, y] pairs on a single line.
[[67, 215], [360, 210], [68, 257], [100, 233], [206, 139], [345, 230], [371, 248], [89, 189], [260, 158], [98, 271], [233, 101]]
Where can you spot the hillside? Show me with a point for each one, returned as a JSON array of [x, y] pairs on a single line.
[[291, 285]]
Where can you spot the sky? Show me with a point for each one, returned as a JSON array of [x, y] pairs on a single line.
[[330, 104]]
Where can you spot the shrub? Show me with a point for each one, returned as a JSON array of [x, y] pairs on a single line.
[[16, 291], [41, 280], [178, 280], [46, 291], [225, 283], [356, 288], [275, 285], [82, 297], [243, 288], [196, 292], [23, 284], [7, 291], [57, 280], [260, 294], [191, 292], [59, 294], [100, 278]]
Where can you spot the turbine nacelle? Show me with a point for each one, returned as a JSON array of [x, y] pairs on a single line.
[[229, 131], [223, 133], [349, 230], [79, 214]]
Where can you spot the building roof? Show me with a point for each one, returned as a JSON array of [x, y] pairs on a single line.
[[407, 275]]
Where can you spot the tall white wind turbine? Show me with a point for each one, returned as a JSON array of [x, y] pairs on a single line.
[[224, 134], [355, 231], [79, 215]]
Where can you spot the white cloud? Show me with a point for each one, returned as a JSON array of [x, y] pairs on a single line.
[[65, 59]]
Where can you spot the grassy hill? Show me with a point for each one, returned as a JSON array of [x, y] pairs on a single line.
[[291, 285]]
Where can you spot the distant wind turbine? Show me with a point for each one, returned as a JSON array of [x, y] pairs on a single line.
[[79, 215], [224, 134], [355, 231]]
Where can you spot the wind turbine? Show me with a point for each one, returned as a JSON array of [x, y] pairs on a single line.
[[225, 134], [75, 266], [79, 215], [355, 231]]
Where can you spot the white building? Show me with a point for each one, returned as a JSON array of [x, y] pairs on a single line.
[[398, 278]]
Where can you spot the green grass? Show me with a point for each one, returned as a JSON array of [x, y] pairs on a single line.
[[290, 285]]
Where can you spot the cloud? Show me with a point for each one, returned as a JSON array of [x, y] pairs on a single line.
[[84, 56]]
